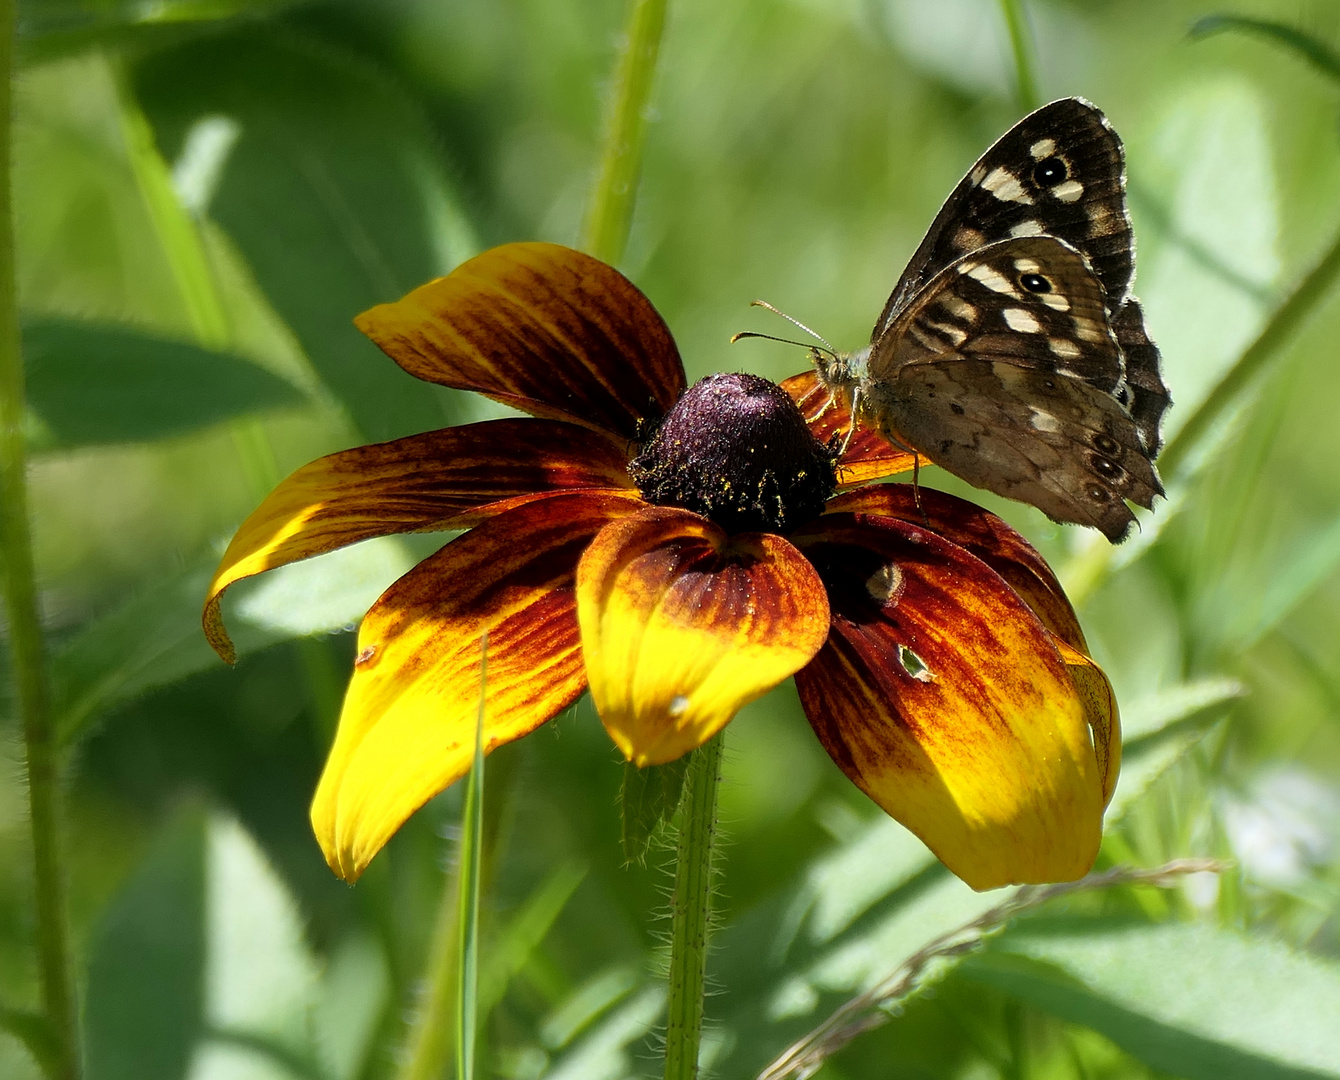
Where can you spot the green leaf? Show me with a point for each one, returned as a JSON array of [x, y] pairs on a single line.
[[91, 383], [1316, 52], [648, 799], [1191, 1000], [151, 640], [332, 193], [36, 1033], [146, 981], [54, 28]]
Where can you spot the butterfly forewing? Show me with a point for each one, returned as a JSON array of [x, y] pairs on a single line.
[[1004, 370], [1059, 172]]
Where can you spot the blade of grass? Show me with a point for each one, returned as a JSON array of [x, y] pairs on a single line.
[[435, 1031], [610, 212], [1021, 46], [1269, 344], [18, 581], [1317, 53], [467, 927]]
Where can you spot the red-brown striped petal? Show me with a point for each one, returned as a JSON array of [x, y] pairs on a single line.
[[682, 626], [868, 456], [984, 535], [439, 480], [543, 328], [1013, 558], [946, 700], [407, 729]]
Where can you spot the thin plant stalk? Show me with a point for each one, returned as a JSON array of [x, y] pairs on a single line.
[[1269, 343], [610, 212], [31, 676], [691, 912], [467, 926], [436, 1035], [1021, 47]]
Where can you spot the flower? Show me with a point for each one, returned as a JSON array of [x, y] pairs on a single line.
[[936, 655]]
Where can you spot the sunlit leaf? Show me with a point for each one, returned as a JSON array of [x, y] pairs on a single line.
[[1311, 48], [330, 192], [1190, 1000]]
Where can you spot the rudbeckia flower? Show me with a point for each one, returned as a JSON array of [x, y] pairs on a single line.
[[679, 552]]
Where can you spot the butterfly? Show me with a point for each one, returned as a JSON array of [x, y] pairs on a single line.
[[1012, 352]]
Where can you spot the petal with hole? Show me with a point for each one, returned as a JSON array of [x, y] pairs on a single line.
[[981, 533], [946, 700]]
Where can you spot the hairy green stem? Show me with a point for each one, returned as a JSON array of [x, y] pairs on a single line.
[[691, 912], [610, 213], [25, 625], [1021, 46], [1279, 328]]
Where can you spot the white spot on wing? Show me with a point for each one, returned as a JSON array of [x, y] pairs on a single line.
[[1026, 228], [955, 335], [958, 307], [1043, 420], [1069, 191], [1027, 266], [978, 174], [992, 278], [1005, 186], [1042, 148], [1055, 300], [1063, 348], [1088, 330], [1022, 321]]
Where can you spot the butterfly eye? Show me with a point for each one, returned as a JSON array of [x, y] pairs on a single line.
[[1035, 283], [1049, 172]]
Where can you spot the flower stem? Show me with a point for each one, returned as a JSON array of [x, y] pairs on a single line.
[[610, 212], [691, 912], [25, 626], [1269, 343], [1021, 45]]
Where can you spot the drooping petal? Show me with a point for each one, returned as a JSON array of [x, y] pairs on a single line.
[[541, 327], [947, 701], [983, 534], [1100, 710], [868, 455], [439, 480], [408, 725], [1013, 558], [682, 626]]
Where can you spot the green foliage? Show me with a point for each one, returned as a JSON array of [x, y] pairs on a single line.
[[92, 383], [208, 192]]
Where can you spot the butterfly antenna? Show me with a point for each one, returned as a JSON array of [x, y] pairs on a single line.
[[796, 323], [785, 341]]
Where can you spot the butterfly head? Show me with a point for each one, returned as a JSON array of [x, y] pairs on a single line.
[[842, 373]]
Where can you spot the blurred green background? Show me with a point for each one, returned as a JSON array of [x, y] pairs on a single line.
[[207, 191]]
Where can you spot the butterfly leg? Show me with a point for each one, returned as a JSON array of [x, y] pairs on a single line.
[[851, 428], [916, 488]]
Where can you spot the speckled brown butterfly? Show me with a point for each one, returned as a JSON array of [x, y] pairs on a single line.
[[1012, 353]]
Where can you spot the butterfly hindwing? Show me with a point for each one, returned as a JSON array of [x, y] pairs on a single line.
[[1052, 441], [1005, 371], [1059, 172]]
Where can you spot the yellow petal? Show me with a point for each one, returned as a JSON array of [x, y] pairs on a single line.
[[1100, 710], [946, 700], [438, 480], [682, 626], [408, 725]]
